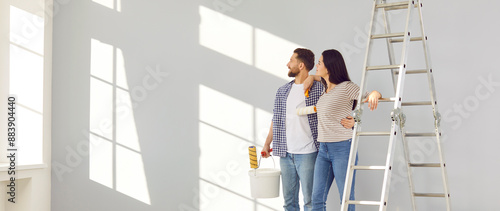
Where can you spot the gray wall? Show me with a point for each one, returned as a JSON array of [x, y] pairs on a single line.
[[207, 106]]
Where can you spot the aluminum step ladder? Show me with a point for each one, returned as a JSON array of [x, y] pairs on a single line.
[[397, 133]]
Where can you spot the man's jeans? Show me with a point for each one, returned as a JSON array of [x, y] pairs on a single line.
[[295, 168], [332, 162]]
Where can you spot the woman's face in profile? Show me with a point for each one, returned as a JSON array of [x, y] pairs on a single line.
[[320, 68]]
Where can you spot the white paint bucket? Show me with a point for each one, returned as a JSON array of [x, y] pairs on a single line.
[[265, 182]]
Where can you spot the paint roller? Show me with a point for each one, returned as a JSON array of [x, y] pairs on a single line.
[[253, 156], [306, 110]]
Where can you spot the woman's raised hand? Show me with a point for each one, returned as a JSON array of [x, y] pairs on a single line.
[[372, 100]]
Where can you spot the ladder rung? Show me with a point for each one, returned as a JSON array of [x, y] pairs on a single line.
[[395, 4], [401, 39], [412, 71], [396, 8], [379, 36], [417, 103], [383, 67], [381, 100], [429, 194], [369, 167], [374, 133], [376, 203], [425, 165], [419, 134], [392, 99]]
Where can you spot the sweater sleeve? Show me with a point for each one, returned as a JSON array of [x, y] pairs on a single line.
[[352, 91]]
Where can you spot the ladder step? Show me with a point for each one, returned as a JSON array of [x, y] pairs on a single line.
[[381, 100], [369, 167], [394, 6], [398, 40], [417, 103], [429, 194], [383, 67], [419, 134], [374, 133], [425, 165], [376, 203], [412, 71], [392, 99], [380, 36]]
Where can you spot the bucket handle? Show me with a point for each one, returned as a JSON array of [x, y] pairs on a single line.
[[262, 154]]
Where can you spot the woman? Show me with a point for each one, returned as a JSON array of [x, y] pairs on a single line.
[[335, 140]]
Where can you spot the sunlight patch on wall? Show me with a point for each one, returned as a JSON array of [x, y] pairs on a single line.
[[126, 131], [130, 175], [101, 108], [101, 161], [227, 128], [245, 43], [121, 75], [226, 35], [101, 60], [111, 4], [115, 160], [272, 53], [226, 112]]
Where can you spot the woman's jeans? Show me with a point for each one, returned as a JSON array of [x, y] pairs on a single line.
[[332, 162], [297, 168]]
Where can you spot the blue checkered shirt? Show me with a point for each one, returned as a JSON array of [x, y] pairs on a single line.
[[279, 116]]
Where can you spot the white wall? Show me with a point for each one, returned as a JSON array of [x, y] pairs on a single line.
[[199, 79]]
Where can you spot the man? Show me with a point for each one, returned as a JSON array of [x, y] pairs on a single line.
[[293, 136]]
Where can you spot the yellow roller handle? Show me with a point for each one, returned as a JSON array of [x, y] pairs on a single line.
[[253, 157]]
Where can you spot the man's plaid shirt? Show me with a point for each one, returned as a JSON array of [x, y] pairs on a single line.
[[279, 116]]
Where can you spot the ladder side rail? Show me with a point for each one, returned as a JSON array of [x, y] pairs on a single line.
[[434, 108], [428, 64], [395, 131], [359, 110], [365, 63], [390, 47], [408, 168], [443, 173], [397, 105]]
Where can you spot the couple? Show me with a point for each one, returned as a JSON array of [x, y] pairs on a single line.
[[314, 148]]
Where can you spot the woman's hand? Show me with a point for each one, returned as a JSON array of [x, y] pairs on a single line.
[[372, 100], [348, 122]]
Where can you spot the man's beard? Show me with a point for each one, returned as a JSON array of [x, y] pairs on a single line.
[[292, 74]]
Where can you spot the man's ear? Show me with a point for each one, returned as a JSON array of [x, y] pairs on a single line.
[[301, 66]]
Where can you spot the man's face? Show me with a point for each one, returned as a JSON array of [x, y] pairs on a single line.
[[293, 66]]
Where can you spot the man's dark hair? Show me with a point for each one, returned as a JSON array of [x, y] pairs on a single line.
[[305, 56]]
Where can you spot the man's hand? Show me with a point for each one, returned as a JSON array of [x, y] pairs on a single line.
[[348, 122], [265, 151]]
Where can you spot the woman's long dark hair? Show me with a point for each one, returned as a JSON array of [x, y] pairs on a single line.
[[334, 63]]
